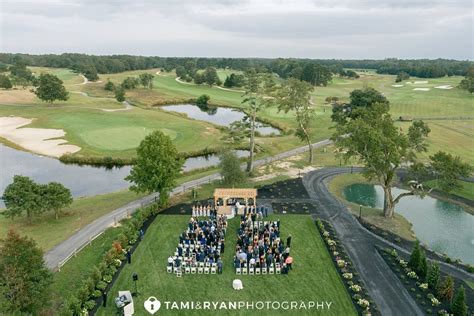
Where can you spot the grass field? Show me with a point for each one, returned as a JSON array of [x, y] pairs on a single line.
[[47, 231], [313, 277], [397, 225], [100, 133], [466, 191], [68, 280], [455, 137], [117, 134]]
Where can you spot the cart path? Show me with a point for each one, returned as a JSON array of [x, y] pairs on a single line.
[[66, 248], [384, 287]]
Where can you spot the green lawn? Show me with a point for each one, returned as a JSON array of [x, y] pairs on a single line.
[[454, 137], [397, 225], [466, 191], [69, 279], [100, 133], [313, 278], [48, 232], [117, 134]]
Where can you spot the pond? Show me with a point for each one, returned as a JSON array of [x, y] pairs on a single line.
[[218, 115], [445, 227], [81, 180]]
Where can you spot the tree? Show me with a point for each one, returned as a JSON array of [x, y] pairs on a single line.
[[316, 74], [157, 166], [22, 195], [258, 89], [180, 71], [199, 78], [402, 76], [422, 268], [120, 94], [468, 82], [50, 88], [459, 307], [90, 72], [231, 172], [381, 147], [130, 83], [415, 257], [447, 169], [202, 100], [55, 196], [5, 82], [365, 98], [18, 69], [234, 80], [432, 277], [211, 77], [446, 289], [24, 279], [109, 85], [146, 80], [294, 96]]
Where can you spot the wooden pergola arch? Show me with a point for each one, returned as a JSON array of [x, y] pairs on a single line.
[[233, 193]]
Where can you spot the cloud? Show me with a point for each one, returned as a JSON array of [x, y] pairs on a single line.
[[268, 28]]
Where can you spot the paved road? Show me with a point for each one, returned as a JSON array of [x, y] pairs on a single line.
[[385, 288], [62, 251]]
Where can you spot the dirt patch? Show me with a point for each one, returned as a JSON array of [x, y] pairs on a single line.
[[287, 189], [294, 208], [17, 96], [39, 140]]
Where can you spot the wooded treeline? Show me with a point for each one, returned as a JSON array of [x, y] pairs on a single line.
[[299, 68]]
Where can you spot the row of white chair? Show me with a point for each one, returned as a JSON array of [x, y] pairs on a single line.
[[191, 270], [199, 264], [258, 271]]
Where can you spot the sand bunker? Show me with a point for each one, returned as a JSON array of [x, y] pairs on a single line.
[[420, 82], [397, 85], [38, 140], [445, 87], [422, 89]]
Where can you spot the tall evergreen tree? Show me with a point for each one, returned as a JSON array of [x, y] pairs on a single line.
[[433, 276], [459, 307]]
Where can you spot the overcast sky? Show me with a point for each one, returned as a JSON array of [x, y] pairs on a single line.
[[265, 28]]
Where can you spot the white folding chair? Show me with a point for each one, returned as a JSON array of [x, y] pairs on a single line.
[[193, 270], [179, 274], [206, 270], [271, 270], [264, 270], [238, 271], [257, 271], [213, 270], [278, 270], [200, 270], [251, 271], [244, 270], [169, 269], [187, 270]]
